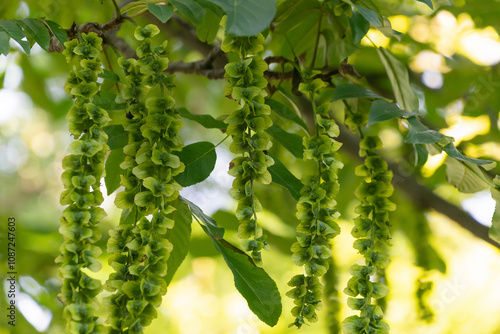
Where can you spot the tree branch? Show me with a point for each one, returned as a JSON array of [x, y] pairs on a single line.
[[200, 68], [421, 195], [180, 29], [99, 29], [212, 66], [119, 43]]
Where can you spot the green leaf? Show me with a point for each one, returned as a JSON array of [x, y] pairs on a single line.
[[211, 6], [111, 76], [454, 153], [369, 15], [282, 176], [107, 100], [15, 32], [128, 217], [421, 155], [253, 283], [58, 31], [179, 236], [464, 176], [382, 111], [214, 230], [162, 12], [428, 3], [36, 30], [420, 134], [133, 6], [117, 136], [247, 17], [359, 27], [398, 75], [113, 170], [349, 91], [199, 161], [297, 22], [191, 9], [285, 112], [494, 232], [208, 28], [4, 43], [290, 141], [207, 121]]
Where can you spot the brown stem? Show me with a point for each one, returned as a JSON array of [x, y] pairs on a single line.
[[99, 29]]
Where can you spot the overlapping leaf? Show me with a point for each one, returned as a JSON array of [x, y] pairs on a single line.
[[282, 176], [107, 100], [296, 27], [58, 31], [253, 283], [291, 141], [209, 27], [179, 236], [4, 43], [207, 121], [369, 15], [359, 27], [190, 8], [199, 161], [31, 29], [36, 30], [117, 136], [247, 17], [382, 111], [282, 110], [162, 12], [398, 75], [465, 176], [113, 170], [420, 134], [350, 91], [16, 33]]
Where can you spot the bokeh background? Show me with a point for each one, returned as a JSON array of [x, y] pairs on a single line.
[[452, 53]]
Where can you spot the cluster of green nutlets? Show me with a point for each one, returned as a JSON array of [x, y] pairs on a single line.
[[372, 232], [315, 210], [139, 244], [83, 170], [247, 125]]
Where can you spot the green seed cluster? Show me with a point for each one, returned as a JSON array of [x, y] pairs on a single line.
[[139, 244], [372, 233], [83, 170], [316, 211], [247, 125]]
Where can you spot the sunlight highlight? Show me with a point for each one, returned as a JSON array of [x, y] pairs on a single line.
[[450, 35], [400, 23], [429, 60], [433, 163], [481, 206], [465, 128], [481, 46], [489, 149], [376, 37]]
